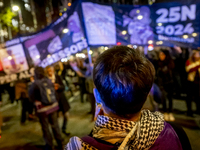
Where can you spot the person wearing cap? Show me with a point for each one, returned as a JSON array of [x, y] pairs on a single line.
[[123, 78]]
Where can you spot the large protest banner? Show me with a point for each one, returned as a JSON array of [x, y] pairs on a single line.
[[95, 24], [60, 39], [160, 24]]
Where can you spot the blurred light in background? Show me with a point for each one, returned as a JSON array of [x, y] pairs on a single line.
[[119, 43], [38, 56], [1, 4], [194, 34], [140, 17], [90, 52], [159, 24], [134, 46], [69, 4], [185, 36], [150, 42], [131, 46], [65, 30], [64, 59], [15, 8], [124, 32], [106, 48], [150, 47], [159, 43], [9, 57], [81, 55]]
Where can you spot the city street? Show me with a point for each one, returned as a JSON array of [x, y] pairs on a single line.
[[29, 136]]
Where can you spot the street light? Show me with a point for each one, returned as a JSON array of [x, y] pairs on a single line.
[[17, 9]]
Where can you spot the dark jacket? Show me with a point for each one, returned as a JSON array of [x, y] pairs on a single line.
[[60, 95], [165, 72]]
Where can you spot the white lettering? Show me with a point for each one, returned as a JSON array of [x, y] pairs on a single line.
[[56, 57], [174, 14], [44, 63], [50, 60], [13, 77], [22, 75], [191, 14], [61, 54], [67, 51], [73, 49], [163, 18]]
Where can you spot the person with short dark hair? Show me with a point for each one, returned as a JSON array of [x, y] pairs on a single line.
[[42, 93], [123, 78]]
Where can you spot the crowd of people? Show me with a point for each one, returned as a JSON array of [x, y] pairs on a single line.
[[177, 74]]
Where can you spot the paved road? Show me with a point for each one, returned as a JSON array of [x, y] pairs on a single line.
[[29, 136]]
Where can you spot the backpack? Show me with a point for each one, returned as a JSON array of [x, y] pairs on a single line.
[[47, 91]]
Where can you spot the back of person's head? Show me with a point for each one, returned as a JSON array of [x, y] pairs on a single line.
[[39, 73], [123, 78]]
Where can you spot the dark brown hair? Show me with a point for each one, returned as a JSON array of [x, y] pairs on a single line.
[[123, 77]]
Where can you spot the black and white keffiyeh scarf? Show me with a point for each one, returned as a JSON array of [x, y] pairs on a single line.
[[139, 135]]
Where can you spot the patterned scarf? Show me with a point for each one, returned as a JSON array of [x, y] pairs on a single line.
[[139, 135]]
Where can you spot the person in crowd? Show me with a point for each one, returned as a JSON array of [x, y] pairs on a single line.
[[122, 85], [66, 67], [10, 87], [60, 95], [80, 69], [83, 69], [43, 94], [90, 86], [26, 107], [165, 82], [86, 83], [193, 72]]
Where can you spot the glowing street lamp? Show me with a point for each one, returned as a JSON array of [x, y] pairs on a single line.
[[15, 8]]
